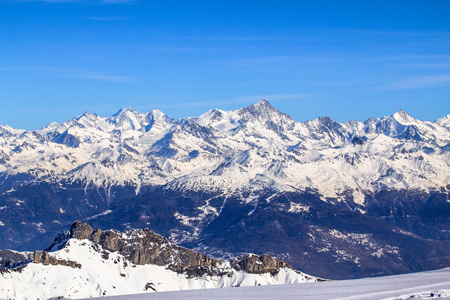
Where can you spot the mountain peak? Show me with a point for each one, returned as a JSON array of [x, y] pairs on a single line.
[[444, 121], [123, 111], [403, 117], [87, 115], [263, 104], [157, 114], [263, 111]]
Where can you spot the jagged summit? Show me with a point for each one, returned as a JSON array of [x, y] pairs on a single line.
[[403, 117], [123, 111], [263, 104], [264, 112], [444, 121]]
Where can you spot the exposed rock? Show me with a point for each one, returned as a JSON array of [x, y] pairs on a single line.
[[67, 139], [42, 257], [251, 263], [358, 140], [12, 259], [80, 230], [143, 246]]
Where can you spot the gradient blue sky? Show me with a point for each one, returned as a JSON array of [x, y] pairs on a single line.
[[342, 59]]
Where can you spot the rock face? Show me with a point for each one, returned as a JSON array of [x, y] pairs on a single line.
[[80, 230], [42, 257], [10, 259], [251, 263], [143, 246]]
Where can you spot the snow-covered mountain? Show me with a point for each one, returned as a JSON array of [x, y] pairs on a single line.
[[187, 178], [85, 263], [227, 151]]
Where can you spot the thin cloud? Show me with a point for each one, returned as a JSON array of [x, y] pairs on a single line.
[[240, 38], [70, 73], [242, 100], [32, 69], [106, 19], [304, 35], [304, 59], [110, 78], [395, 33], [78, 1], [175, 49], [421, 82]]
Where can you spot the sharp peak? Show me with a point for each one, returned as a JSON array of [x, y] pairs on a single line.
[[263, 103], [125, 109], [401, 112], [402, 115], [442, 120], [7, 127], [132, 110], [323, 119], [156, 111], [87, 114]]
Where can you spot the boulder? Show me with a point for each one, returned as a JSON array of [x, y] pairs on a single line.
[[80, 230]]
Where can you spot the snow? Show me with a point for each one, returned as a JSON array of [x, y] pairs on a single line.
[[229, 152], [296, 208], [106, 212], [444, 121], [423, 285], [114, 275]]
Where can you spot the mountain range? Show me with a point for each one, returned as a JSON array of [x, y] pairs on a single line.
[[336, 200]]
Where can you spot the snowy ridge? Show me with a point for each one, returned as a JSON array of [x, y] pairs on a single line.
[[82, 268], [232, 150]]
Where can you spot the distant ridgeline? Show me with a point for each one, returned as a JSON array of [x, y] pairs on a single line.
[[336, 200]]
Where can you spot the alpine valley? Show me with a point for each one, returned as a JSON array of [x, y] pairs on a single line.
[[334, 200]]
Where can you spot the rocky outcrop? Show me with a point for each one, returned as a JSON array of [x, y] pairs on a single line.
[[12, 259], [252, 263], [80, 230], [143, 246], [42, 257]]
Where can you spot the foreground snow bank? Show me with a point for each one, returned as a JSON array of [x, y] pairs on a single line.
[[423, 285]]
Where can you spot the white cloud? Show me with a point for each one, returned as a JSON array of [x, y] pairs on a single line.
[[70, 73], [79, 1], [100, 77], [421, 82]]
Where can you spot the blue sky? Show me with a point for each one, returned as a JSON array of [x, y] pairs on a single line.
[[342, 59]]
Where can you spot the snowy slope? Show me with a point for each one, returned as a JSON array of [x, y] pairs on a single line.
[[82, 268], [423, 285], [230, 150]]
